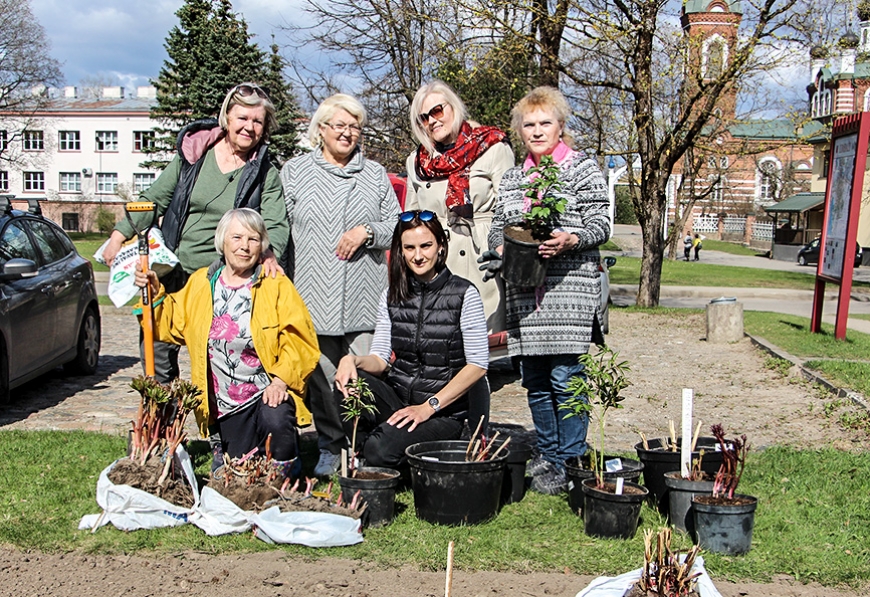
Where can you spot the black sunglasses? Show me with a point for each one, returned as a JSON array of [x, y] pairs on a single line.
[[249, 89], [424, 215], [435, 112]]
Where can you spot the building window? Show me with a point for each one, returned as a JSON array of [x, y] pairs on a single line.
[[715, 56], [69, 222], [717, 186], [143, 140], [107, 182], [34, 181], [4, 180], [711, 161], [141, 182], [4, 140], [33, 141], [70, 182], [723, 162], [768, 184], [70, 140], [107, 140]]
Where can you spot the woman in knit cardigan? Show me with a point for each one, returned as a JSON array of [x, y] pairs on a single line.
[[551, 325], [342, 210]]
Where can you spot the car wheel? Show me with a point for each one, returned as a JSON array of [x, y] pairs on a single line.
[[802, 260], [87, 346], [4, 374]]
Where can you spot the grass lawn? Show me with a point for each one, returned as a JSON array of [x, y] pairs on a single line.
[[87, 244], [726, 247], [684, 273], [813, 519]]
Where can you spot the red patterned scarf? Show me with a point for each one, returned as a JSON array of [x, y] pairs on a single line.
[[456, 162]]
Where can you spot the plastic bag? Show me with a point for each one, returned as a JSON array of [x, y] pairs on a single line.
[[217, 515], [121, 282], [616, 586], [313, 529], [130, 509]]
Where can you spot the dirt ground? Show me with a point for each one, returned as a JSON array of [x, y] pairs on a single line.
[[731, 386]]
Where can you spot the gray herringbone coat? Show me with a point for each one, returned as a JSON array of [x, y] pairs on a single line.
[[323, 202], [561, 320]]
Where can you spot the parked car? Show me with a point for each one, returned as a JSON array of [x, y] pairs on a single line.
[[49, 315], [809, 253]]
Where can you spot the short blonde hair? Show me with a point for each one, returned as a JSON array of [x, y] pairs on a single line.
[[252, 100], [545, 98], [460, 112], [327, 109], [248, 218]]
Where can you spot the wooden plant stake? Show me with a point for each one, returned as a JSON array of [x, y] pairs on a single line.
[[448, 585]]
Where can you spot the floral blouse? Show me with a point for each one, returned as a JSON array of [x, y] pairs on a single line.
[[238, 377]]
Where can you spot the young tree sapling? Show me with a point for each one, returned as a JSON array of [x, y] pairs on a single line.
[[359, 400]]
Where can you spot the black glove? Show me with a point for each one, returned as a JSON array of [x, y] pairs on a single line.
[[492, 262]]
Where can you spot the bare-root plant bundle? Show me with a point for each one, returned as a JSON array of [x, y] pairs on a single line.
[[666, 572], [156, 433]]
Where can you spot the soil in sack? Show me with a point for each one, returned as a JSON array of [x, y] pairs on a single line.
[[245, 493], [175, 489]]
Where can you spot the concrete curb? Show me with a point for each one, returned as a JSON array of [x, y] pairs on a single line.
[[808, 374]]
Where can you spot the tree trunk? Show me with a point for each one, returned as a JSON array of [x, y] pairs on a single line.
[[653, 244]]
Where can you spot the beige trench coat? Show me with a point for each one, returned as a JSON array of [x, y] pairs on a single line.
[[468, 239]]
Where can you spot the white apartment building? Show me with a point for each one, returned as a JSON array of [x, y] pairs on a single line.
[[80, 153]]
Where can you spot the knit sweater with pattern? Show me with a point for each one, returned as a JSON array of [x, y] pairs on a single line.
[[558, 318]]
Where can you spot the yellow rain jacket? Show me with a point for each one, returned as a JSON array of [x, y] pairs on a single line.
[[282, 331]]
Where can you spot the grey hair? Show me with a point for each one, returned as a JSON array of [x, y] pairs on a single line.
[[327, 109], [233, 98], [544, 98], [248, 218], [460, 112]]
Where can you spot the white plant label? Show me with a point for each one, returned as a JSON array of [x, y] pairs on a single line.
[[613, 465], [686, 430], [619, 483]]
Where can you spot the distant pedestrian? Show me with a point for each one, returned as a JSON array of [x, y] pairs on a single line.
[[696, 244], [687, 246]]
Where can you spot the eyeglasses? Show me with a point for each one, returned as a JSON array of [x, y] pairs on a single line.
[[249, 89], [341, 128], [424, 215], [435, 112]]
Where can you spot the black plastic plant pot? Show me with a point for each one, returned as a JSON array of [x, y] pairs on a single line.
[[450, 491], [379, 493], [513, 486], [612, 516], [522, 265], [657, 461], [680, 494], [725, 528], [577, 473]]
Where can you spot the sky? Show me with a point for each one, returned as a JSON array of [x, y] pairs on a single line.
[[124, 38]]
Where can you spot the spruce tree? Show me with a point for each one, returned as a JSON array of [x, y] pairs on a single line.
[[209, 52], [284, 142]]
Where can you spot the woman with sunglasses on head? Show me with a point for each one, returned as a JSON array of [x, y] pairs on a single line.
[[220, 164], [455, 173], [550, 326], [341, 208], [433, 321]]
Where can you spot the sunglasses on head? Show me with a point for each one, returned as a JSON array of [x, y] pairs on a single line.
[[249, 89], [436, 112], [423, 215]]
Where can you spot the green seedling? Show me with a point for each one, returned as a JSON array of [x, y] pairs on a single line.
[[359, 401]]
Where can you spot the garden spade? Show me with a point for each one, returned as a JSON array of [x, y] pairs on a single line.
[[147, 312]]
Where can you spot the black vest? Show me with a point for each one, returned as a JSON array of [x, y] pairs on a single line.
[[427, 340], [248, 193]]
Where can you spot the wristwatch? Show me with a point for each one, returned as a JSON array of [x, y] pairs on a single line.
[[435, 404], [370, 235]]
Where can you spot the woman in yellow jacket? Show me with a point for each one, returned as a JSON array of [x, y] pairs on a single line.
[[251, 341]]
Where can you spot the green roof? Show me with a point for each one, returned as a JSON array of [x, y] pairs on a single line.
[[695, 6], [772, 129], [797, 203]]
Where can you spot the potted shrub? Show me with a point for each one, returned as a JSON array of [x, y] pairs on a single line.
[[606, 513], [541, 209], [724, 520], [375, 485], [157, 434]]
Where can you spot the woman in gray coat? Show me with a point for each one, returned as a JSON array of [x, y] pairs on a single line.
[[342, 210]]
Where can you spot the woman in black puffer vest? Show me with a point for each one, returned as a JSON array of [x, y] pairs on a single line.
[[433, 323]]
